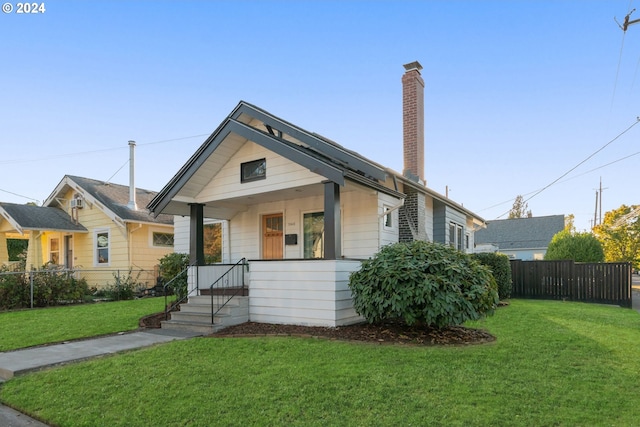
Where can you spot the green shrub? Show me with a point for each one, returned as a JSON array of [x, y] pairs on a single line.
[[173, 268], [422, 282], [580, 247], [124, 286], [501, 270], [50, 288]]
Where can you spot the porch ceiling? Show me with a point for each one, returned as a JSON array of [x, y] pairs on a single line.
[[228, 208]]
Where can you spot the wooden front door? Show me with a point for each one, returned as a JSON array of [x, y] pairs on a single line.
[[272, 243]]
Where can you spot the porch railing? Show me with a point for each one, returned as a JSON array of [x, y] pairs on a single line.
[[227, 286]]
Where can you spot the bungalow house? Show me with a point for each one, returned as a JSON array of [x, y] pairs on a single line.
[[519, 238], [304, 211], [92, 226]]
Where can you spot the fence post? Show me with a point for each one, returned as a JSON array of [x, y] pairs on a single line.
[[31, 285]]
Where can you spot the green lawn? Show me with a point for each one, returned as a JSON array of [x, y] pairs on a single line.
[[26, 328], [553, 364]]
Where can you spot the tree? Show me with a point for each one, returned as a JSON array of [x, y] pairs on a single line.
[[619, 234], [569, 223], [580, 247], [520, 209]]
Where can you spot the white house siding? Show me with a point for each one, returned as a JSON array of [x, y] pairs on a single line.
[[429, 218], [311, 292], [181, 234], [281, 173]]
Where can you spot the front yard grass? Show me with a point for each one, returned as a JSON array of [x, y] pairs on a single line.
[[26, 328], [553, 364]]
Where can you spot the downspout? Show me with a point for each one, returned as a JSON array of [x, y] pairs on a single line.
[[130, 244], [392, 208]]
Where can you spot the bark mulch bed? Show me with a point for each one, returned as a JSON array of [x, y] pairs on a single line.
[[389, 332]]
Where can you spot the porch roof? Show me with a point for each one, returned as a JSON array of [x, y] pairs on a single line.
[[250, 123], [29, 217]]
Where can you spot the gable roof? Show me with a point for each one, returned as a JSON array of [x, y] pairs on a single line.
[[112, 198], [248, 122], [315, 152], [31, 217], [521, 233]]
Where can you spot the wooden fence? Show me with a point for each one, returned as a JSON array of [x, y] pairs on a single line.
[[606, 283]]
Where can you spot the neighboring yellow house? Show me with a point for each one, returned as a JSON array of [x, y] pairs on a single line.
[[89, 225]]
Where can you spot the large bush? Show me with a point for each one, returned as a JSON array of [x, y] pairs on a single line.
[[422, 282], [580, 247], [500, 268]]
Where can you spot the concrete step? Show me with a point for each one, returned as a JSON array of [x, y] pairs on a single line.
[[177, 325], [196, 315]]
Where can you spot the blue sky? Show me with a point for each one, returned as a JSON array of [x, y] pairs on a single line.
[[517, 92]]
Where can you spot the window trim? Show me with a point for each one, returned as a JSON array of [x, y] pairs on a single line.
[[51, 251], [96, 258], [387, 218], [153, 240], [312, 212], [246, 165]]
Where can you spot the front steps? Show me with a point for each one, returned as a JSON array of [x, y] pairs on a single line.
[[195, 316]]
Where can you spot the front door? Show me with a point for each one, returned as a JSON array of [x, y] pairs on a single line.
[[272, 243]]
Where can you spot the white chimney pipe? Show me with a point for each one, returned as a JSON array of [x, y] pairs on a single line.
[[132, 168]]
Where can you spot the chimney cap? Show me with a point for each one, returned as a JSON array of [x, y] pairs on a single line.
[[415, 65]]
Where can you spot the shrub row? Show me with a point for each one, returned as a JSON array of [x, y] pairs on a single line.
[[501, 268], [49, 288]]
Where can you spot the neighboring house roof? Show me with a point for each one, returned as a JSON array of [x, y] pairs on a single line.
[[31, 217], [520, 233], [315, 152], [112, 198]]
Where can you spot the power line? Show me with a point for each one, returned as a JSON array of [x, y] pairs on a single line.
[[19, 195], [84, 153], [578, 165]]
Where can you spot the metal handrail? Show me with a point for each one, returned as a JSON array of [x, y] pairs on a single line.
[[242, 262], [177, 302]]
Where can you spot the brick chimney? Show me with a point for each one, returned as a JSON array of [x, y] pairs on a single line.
[[413, 122]]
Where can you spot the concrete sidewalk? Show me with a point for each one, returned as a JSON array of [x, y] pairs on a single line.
[[21, 361]]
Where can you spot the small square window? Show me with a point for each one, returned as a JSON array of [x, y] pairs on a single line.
[[253, 171], [163, 239]]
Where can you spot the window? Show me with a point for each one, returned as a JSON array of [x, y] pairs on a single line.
[[164, 240], [101, 247], [313, 224], [253, 171], [466, 241], [213, 242], [54, 251], [456, 236], [452, 235], [388, 217]]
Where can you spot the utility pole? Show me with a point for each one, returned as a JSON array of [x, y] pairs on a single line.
[[595, 212], [597, 215], [627, 22], [601, 189]]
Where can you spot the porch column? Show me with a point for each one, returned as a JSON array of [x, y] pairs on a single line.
[[4, 250], [196, 234], [332, 226]]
